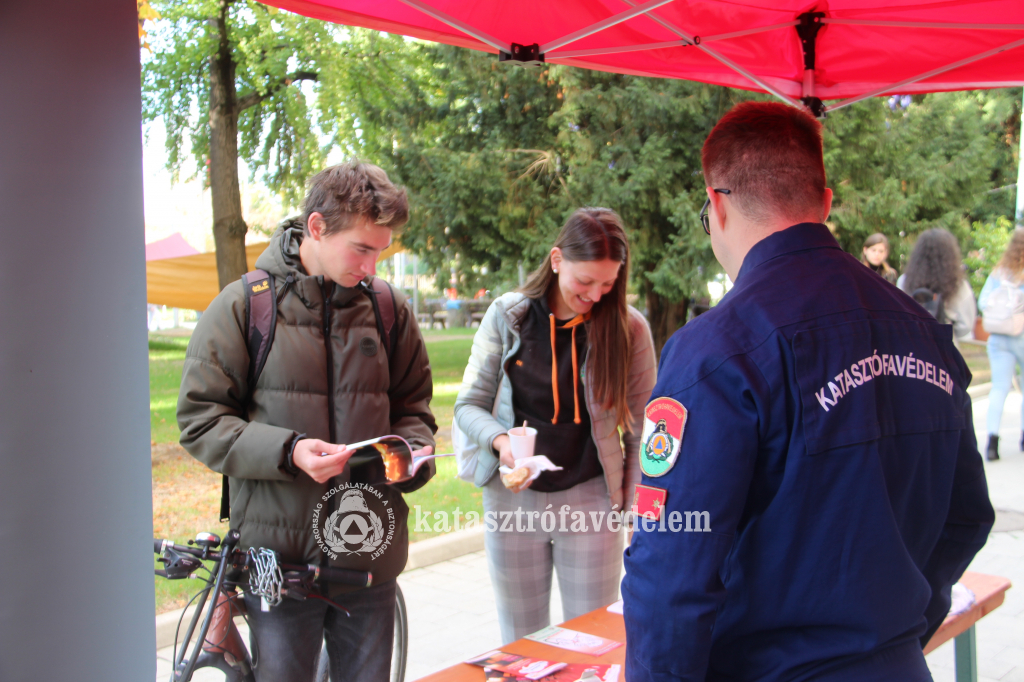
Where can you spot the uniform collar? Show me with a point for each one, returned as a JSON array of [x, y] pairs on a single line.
[[799, 237]]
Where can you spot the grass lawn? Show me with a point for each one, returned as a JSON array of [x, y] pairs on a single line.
[[186, 495]]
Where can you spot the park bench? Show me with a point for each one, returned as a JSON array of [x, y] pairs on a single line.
[[989, 592], [432, 311]]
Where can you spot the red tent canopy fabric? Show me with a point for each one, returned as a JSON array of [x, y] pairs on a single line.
[[852, 49]]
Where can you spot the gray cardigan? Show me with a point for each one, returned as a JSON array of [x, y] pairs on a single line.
[[483, 409]]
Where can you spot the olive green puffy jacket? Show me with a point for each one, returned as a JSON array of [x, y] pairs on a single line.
[[341, 392]]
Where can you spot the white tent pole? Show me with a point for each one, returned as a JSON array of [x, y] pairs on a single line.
[[747, 32], [594, 52], [460, 25], [725, 60], [924, 24], [1019, 213], [602, 25], [934, 72]]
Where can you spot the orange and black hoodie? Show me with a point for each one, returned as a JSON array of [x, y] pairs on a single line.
[[548, 392]]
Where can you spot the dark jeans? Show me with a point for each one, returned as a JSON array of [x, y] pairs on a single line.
[[287, 638]]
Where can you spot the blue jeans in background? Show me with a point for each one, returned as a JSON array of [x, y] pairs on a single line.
[[289, 636], [1004, 354]]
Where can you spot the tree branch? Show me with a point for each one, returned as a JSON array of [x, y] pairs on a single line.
[[253, 98]]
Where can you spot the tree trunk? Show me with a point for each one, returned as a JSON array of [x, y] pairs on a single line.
[[664, 316], [228, 226]]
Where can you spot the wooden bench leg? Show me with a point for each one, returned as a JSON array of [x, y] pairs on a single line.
[[966, 652]]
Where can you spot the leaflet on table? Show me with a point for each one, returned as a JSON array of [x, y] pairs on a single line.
[[574, 641], [521, 667], [573, 672], [500, 665]]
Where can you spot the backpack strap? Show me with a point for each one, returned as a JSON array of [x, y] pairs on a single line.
[[383, 298], [260, 322]]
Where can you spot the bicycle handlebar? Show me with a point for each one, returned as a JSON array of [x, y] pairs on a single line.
[[329, 574]]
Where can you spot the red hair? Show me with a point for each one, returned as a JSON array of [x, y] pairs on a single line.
[[769, 155]]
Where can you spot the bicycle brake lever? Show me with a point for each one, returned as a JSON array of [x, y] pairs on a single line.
[[178, 565]]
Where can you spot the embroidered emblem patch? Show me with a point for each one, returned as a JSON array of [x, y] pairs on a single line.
[[664, 421], [649, 501]]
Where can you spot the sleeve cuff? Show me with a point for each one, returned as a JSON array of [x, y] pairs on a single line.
[[489, 439], [289, 464]]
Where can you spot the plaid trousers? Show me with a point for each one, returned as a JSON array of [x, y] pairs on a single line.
[[588, 562]]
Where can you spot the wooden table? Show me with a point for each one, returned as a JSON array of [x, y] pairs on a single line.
[[989, 590]]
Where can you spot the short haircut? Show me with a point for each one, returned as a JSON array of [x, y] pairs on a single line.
[[345, 193], [769, 155]]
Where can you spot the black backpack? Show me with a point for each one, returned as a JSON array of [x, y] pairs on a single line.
[[932, 302], [261, 320]]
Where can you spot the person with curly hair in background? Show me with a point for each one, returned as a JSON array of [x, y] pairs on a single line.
[[935, 278], [875, 255], [1005, 352]]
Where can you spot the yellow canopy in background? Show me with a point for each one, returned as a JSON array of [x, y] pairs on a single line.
[[191, 281]]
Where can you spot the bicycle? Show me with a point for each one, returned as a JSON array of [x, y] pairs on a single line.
[[218, 643]]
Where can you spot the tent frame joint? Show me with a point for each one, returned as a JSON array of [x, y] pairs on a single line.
[[815, 105], [807, 29], [522, 55], [809, 23]]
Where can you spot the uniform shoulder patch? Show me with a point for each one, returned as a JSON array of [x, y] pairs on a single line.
[[664, 422]]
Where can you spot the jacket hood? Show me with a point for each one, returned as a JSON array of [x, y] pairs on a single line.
[[281, 260], [281, 257]]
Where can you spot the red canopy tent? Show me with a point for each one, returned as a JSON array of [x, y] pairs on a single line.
[[797, 50]]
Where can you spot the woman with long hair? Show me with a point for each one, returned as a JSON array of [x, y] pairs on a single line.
[[1004, 352], [875, 255], [935, 272], [568, 355]]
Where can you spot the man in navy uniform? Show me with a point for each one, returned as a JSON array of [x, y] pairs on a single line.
[[820, 418]]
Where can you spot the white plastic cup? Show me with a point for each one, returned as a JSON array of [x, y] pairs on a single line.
[[523, 442]]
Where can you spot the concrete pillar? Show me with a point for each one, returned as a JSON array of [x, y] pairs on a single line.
[[76, 581]]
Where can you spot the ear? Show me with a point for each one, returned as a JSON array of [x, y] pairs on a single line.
[[315, 225], [828, 204], [556, 258], [716, 212]]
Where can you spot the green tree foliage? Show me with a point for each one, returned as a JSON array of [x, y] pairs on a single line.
[[237, 79], [472, 140], [633, 144], [933, 163], [497, 157]]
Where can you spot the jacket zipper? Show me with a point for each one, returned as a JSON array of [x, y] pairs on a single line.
[[333, 504], [330, 362]]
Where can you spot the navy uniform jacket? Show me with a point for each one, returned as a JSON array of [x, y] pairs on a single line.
[[829, 437]]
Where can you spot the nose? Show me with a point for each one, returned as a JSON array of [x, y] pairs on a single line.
[[369, 265], [594, 294]]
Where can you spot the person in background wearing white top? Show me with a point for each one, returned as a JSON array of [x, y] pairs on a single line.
[[935, 264], [1004, 352]]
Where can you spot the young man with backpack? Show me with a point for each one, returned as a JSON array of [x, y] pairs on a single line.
[[285, 367]]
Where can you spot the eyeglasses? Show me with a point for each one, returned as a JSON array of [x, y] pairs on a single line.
[[704, 220]]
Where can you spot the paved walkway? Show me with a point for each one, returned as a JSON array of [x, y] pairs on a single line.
[[1001, 633], [452, 616]]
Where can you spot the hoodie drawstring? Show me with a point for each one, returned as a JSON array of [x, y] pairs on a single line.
[[571, 324]]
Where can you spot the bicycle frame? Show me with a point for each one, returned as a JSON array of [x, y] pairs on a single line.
[[219, 644], [218, 622]]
